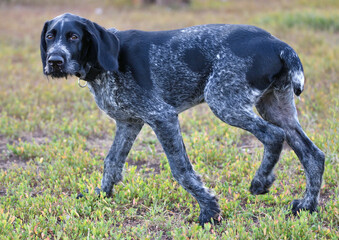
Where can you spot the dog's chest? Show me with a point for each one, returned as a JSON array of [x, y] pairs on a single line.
[[105, 92]]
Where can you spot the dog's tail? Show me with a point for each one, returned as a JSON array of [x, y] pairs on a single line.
[[295, 73]]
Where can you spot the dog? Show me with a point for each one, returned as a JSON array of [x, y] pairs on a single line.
[[139, 77]]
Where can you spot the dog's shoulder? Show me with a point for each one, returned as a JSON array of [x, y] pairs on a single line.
[[134, 53]]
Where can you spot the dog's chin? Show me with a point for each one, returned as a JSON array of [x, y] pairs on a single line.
[[58, 74], [72, 69]]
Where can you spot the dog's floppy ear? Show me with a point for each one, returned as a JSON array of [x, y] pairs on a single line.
[[43, 47], [103, 47]]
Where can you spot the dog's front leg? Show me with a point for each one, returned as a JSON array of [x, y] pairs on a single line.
[[167, 130], [126, 133]]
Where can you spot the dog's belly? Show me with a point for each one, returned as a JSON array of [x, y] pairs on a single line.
[[180, 89]]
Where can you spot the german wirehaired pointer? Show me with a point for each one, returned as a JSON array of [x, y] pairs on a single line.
[[139, 77]]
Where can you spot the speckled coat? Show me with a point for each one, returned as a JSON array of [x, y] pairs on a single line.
[[139, 77]]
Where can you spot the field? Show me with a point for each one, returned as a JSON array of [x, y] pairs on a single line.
[[53, 138]]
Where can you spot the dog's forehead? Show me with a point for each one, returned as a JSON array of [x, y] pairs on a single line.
[[65, 22], [67, 17], [64, 27]]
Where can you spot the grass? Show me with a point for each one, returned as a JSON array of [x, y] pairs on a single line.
[[325, 20], [53, 138]]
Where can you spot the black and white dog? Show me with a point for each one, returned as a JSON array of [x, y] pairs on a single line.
[[139, 77]]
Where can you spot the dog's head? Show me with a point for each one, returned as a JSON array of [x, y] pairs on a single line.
[[71, 45]]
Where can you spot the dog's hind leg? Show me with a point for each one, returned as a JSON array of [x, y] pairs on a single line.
[[126, 133], [166, 126], [232, 100], [277, 107]]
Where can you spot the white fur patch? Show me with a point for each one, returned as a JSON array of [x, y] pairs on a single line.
[[298, 78]]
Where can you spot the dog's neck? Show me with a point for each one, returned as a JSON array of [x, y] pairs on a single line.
[[92, 74]]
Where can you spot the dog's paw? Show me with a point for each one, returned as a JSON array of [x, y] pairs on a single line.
[[80, 195], [209, 213], [261, 185], [96, 190], [99, 192], [303, 205]]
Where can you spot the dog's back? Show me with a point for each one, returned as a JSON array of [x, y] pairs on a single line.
[[178, 63]]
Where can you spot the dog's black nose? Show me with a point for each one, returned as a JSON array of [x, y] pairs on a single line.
[[55, 60]]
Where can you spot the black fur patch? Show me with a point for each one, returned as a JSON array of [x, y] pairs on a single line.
[[260, 46], [134, 53], [196, 60]]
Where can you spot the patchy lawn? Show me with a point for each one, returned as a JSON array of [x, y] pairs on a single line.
[[53, 138]]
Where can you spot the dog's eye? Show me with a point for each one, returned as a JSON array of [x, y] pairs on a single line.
[[49, 36], [74, 37]]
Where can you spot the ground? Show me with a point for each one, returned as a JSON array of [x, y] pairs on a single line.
[[53, 138]]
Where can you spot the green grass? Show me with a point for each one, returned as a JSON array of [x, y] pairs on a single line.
[[53, 138], [325, 21]]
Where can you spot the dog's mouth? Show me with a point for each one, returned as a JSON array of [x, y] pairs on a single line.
[[64, 71], [57, 73]]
